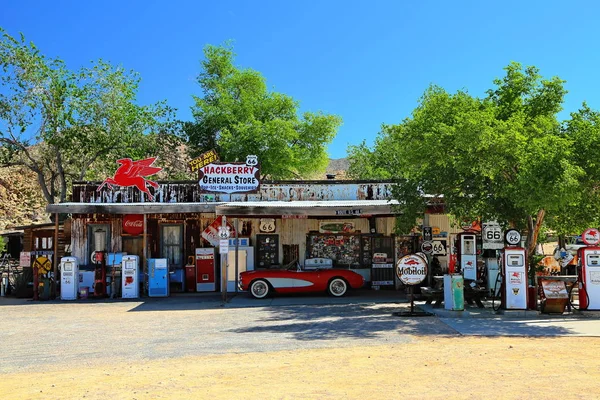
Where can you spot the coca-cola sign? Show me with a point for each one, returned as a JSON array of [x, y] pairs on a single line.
[[133, 224]]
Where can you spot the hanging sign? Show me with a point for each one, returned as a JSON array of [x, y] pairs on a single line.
[[133, 173], [357, 211], [590, 237], [133, 224], [211, 233], [492, 236], [203, 160], [230, 177], [294, 216], [411, 269]]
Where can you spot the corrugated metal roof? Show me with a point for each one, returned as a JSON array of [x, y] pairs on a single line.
[[311, 204]]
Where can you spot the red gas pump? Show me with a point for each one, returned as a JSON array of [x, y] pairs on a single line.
[[100, 275], [588, 271], [190, 275]]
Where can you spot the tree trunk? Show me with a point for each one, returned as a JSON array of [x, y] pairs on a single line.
[[534, 230], [61, 176]]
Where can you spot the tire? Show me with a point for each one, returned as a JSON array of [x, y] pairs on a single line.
[[259, 289], [337, 287]]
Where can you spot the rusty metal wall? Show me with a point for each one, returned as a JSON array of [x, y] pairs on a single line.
[[189, 192]]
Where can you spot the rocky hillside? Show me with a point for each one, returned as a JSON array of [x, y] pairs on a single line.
[[337, 167], [21, 202]]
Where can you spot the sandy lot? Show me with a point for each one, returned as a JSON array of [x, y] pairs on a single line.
[[426, 367]]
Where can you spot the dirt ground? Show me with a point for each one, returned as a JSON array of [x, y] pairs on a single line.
[[425, 368]]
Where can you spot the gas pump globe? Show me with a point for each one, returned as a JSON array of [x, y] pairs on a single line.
[[99, 246]]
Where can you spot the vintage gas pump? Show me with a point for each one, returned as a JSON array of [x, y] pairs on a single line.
[[100, 261], [130, 286], [514, 273], [467, 254], [588, 271], [69, 278]]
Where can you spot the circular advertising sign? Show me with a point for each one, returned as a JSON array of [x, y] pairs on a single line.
[[411, 269], [512, 237], [427, 247], [590, 236]]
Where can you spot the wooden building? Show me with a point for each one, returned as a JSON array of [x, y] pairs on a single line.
[[349, 222]]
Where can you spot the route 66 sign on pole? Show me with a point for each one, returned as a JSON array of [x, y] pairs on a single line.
[[492, 236]]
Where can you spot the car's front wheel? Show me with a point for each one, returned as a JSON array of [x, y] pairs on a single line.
[[337, 287], [259, 289]]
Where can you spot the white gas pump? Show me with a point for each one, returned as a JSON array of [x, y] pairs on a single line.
[[69, 278], [588, 271], [130, 285], [514, 271], [468, 255]]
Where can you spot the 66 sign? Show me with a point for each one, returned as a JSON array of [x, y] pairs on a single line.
[[492, 236]]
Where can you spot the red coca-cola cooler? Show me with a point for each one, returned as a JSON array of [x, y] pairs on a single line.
[[190, 275], [205, 270]]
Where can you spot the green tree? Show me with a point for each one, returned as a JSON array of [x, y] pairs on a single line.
[[63, 125], [504, 157], [238, 116]]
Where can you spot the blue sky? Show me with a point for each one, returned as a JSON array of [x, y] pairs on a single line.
[[367, 61]]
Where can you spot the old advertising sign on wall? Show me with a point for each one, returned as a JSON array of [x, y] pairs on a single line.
[[25, 259], [203, 160], [230, 177], [336, 227], [411, 269], [133, 224], [211, 233], [134, 173]]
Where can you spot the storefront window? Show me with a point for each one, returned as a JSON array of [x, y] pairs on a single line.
[[172, 244]]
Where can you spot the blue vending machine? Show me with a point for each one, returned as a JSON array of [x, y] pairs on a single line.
[[158, 277]]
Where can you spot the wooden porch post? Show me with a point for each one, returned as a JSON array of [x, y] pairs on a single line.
[[144, 245], [55, 280]]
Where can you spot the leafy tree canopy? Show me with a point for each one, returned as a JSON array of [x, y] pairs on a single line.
[[69, 125], [502, 157], [238, 116]]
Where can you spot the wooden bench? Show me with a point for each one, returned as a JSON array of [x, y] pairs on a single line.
[[475, 295], [431, 294]]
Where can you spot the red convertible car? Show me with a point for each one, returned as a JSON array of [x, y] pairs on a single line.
[[336, 282]]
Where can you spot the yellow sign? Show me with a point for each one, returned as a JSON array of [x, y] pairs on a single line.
[[43, 265], [203, 160]]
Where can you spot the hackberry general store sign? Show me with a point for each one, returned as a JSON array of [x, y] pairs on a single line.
[[230, 177]]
